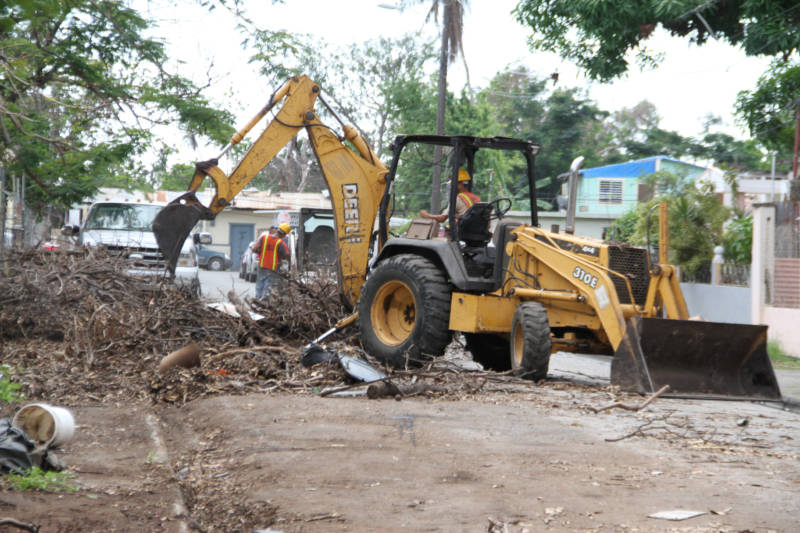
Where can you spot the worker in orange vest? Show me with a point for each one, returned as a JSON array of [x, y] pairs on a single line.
[[272, 251], [464, 200]]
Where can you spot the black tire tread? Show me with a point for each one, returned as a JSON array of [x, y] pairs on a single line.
[[532, 317], [431, 335]]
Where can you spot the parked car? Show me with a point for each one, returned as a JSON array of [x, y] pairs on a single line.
[[213, 259], [125, 228]]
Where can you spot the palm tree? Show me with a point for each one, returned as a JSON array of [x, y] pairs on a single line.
[[451, 49]]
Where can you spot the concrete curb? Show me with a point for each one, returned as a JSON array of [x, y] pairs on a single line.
[[791, 403]]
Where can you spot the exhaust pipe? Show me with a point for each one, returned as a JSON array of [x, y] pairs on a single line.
[[576, 165]]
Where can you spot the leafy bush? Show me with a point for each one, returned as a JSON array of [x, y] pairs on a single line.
[[737, 240], [8, 389], [38, 479]]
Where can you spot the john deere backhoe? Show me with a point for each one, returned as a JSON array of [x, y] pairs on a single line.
[[516, 291]]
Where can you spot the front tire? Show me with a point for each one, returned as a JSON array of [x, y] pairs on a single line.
[[404, 311], [215, 264], [530, 341]]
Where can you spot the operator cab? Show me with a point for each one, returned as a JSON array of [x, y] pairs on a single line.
[[468, 236]]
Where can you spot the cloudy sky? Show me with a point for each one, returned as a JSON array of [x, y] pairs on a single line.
[[691, 83]]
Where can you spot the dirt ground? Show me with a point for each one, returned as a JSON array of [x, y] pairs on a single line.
[[509, 457]]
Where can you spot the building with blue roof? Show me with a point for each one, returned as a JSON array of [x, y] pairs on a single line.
[[605, 193]]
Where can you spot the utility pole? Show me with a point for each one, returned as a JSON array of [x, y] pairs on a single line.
[[772, 177], [796, 138], [3, 206]]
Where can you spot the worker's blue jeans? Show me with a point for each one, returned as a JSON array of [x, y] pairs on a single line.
[[266, 281]]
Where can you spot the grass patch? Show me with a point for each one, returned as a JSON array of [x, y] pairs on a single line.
[[38, 479], [8, 389], [780, 359]]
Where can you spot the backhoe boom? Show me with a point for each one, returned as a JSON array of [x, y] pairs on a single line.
[[355, 179]]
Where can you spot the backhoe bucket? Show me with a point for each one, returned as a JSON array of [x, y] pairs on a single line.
[[173, 224], [704, 359]]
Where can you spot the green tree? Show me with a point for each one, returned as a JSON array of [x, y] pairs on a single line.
[[378, 86], [769, 110], [81, 90], [449, 50], [696, 220], [562, 121], [729, 153], [624, 228], [737, 239], [599, 35]]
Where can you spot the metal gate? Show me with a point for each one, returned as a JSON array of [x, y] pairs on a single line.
[[787, 255], [240, 236]]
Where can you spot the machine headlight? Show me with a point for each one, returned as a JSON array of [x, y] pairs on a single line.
[[187, 260]]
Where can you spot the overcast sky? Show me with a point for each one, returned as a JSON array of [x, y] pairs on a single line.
[[691, 82]]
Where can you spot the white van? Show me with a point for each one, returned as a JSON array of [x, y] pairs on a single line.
[[125, 227]]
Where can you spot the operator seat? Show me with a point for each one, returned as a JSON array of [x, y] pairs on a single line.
[[473, 226], [502, 234]]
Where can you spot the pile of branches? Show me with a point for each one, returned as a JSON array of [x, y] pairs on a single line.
[[76, 325], [302, 307]]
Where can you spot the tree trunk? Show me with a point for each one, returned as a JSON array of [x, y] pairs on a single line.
[[440, 108]]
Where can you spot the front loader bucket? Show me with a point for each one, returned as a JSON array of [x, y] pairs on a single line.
[[172, 226], [705, 359]]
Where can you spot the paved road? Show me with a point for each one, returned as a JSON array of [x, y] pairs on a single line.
[[596, 370], [215, 285]]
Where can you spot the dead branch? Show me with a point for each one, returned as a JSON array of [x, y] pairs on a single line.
[[33, 528], [629, 407]]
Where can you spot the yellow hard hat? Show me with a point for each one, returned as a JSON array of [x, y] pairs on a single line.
[[463, 175], [285, 228]]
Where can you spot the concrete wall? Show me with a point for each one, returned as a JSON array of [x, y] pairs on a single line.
[[584, 226], [718, 303], [219, 228], [783, 328]]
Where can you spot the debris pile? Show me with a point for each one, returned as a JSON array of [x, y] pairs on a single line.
[[76, 325]]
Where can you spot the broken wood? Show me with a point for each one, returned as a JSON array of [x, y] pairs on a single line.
[[629, 407], [33, 528], [386, 389]]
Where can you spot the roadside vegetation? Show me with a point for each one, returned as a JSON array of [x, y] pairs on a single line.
[[38, 479], [780, 359], [9, 390]]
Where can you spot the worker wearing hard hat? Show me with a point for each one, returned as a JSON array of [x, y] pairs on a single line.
[[272, 251], [464, 200]]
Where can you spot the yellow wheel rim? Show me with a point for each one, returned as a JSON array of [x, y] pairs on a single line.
[[516, 348], [393, 313]]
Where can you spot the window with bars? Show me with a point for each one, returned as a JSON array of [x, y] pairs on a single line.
[[610, 191]]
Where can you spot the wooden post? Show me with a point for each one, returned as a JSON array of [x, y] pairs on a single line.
[[663, 233], [796, 139]]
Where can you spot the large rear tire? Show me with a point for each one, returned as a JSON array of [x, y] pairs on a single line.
[[404, 311], [530, 341], [491, 351]]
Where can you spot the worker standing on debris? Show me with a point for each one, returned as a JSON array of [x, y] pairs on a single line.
[[272, 251], [464, 200]]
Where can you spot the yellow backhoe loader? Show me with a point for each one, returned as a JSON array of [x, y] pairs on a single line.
[[516, 291]]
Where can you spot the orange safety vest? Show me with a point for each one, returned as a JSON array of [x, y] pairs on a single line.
[[469, 198], [270, 255]]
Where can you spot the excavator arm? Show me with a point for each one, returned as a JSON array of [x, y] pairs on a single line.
[[355, 179]]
